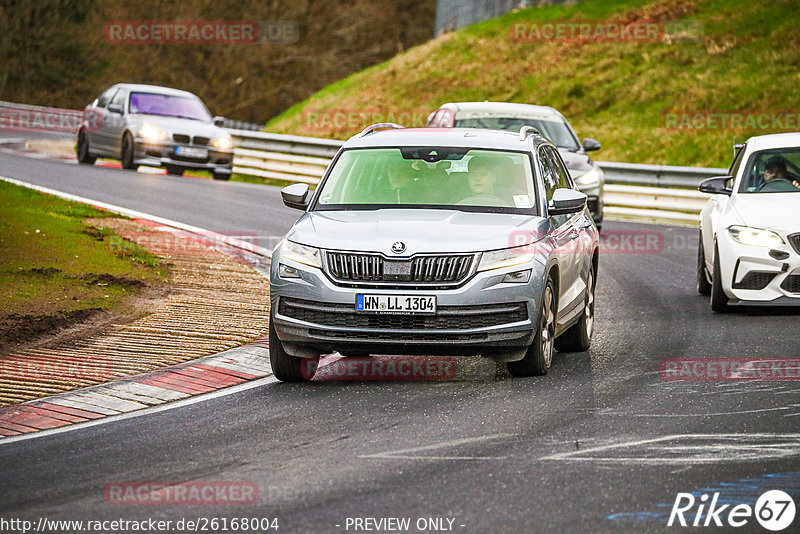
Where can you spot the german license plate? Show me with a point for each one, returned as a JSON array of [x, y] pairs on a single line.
[[191, 152], [400, 304]]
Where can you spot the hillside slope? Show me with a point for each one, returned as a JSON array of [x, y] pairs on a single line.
[[714, 62]]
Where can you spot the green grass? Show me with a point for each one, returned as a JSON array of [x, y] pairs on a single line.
[[55, 265], [746, 58]]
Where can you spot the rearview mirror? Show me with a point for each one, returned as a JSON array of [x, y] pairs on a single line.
[[590, 144], [219, 121], [719, 185], [115, 108], [295, 196], [566, 201]]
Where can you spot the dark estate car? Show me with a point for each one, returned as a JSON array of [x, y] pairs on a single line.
[[587, 174], [156, 126]]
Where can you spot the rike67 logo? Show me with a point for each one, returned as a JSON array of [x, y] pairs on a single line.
[[774, 510]]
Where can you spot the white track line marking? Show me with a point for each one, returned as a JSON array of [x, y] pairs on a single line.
[[238, 243]]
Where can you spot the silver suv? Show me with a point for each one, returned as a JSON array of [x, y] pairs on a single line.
[[588, 175], [422, 241]]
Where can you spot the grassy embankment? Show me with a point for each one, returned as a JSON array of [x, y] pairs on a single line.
[[58, 269], [745, 57]]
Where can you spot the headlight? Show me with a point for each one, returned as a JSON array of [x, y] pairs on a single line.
[[496, 259], [221, 142], [591, 177], [301, 254], [755, 236], [151, 133]]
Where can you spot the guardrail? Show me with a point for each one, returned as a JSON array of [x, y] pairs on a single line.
[[628, 191], [642, 192]]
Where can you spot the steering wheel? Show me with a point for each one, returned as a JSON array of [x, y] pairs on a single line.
[[777, 185]]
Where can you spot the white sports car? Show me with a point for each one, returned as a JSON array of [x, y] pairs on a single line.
[[749, 251]]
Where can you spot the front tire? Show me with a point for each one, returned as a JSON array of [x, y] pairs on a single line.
[[579, 336], [539, 355], [719, 300], [703, 286], [221, 175], [127, 151], [82, 150], [286, 367]]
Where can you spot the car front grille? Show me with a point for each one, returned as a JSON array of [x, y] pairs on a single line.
[[434, 269], [446, 317], [186, 139], [791, 283], [755, 280], [794, 240]]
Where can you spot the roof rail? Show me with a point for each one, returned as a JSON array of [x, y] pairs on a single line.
[[378, 127], [526, 130]]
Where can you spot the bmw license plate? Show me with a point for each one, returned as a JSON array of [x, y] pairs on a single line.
[[191, 152], [399, 304]]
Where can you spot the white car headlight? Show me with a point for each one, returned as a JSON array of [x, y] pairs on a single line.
[[221, 142], [755, 236], [591, 177], [151, 133], [301, 253], [497, 259]]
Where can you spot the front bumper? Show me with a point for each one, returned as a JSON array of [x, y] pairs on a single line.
[[313, 315], [162, 154], [759, 275]]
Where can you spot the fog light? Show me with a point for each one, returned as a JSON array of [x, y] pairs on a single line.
[[778, 254], [518, 277], [288, 272]]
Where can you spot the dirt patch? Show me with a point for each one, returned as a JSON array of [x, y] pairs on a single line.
[[109, 279]]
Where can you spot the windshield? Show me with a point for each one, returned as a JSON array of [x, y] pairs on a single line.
[[773, 171], [556, 131], [431, 177], [169, 106]]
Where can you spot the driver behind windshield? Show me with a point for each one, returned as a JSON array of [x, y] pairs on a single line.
[[776, 170]]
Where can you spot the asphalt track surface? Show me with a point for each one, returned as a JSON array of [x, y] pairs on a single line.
[[602, 444]]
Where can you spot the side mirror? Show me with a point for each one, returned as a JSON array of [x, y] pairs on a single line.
[[719, 185], [115, 108], [295, 196], [219, 121], [566, 201], [590, 144]]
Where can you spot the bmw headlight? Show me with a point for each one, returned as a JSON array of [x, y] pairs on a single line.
[[301, 253], [151, 133], [755, 236], [591, 177], [497, 259], [221, 142]]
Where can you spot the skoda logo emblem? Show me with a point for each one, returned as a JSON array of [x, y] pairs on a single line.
[[398, 247]]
